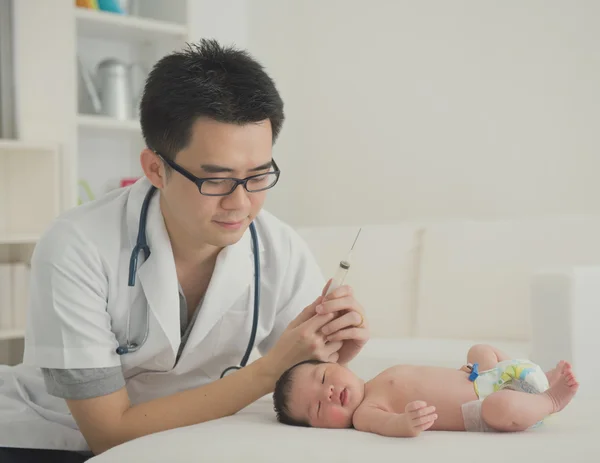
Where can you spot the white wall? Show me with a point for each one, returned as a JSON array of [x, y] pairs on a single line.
[[402, 110], [223, 20]]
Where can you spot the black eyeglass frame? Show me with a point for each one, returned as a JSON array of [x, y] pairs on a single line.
[[237, 181]]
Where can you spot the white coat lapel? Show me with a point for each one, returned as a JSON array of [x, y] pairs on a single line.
[[158, 275], [232, 277]]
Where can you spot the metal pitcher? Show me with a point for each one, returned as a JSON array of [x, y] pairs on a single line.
[[110, 90]]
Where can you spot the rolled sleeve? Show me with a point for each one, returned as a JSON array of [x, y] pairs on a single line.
[[84, 383]]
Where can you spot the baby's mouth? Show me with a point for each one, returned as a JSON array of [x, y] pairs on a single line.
[[343, 397]]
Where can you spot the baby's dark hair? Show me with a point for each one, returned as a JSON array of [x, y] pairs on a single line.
[[281, 395]]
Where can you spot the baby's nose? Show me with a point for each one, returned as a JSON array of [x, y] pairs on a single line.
[[329, 392]]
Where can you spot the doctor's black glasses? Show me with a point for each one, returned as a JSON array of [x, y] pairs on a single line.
[[223, 186]]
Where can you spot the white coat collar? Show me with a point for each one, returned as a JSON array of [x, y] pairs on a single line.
[[157, 275], [232, 276]]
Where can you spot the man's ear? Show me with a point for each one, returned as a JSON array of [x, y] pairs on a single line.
[[153, 168]]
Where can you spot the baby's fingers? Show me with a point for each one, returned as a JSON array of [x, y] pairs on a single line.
[[427, 425], [416, 405], [422, 411], [424, 422]]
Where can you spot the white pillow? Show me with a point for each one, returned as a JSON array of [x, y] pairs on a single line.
[[382, 274], [475, 280]]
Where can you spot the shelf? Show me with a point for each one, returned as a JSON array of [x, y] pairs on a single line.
[[20, 145], [6, 335], [24, 238], [29, 190], [101, 24], [107, 123]]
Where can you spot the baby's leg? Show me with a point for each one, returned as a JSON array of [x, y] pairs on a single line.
[[508, 410], [486, 356]]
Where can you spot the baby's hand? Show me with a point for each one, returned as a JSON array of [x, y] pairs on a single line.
[[420, 417]]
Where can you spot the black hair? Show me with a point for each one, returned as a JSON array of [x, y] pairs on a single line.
[[205, 80], [281, 395]]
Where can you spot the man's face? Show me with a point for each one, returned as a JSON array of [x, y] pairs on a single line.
[[218, 149], [325, 395]]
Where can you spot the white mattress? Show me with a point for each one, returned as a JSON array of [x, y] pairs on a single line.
[[253, 435]]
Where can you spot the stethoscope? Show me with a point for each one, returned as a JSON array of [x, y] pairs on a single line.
[[141, 245]]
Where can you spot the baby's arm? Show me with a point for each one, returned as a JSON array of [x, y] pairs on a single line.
[[417, 417]]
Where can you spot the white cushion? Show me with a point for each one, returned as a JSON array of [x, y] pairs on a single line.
[[475, 276], [382, 272]]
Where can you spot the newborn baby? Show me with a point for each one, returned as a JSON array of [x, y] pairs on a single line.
[[490, 393]]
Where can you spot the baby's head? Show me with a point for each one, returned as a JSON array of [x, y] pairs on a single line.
[[318, 394]]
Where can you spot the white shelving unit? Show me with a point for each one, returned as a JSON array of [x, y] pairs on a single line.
[[9, 335], [104, 25], [103, 123], [52, 102], [24, 145], [61, 140], [29, 189], [18, 238], [29, 200]]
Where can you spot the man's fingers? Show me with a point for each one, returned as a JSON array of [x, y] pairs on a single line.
[[356, 334], [316, 322], [308, 312], [333, 358], [335, 305], [337, 293], [327, 285], [350, 319], [332, 347]]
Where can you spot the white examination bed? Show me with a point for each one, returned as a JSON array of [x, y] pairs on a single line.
[[253, 435]]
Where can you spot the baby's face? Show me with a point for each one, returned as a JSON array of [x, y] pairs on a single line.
[[325, 395]]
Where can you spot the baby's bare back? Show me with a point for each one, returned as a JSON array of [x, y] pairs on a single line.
[[444, 388]]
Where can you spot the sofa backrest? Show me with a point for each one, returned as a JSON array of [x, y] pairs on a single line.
[[454, 279], [382, 272]]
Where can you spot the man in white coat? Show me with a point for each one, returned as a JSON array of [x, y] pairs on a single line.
[[210, 116]]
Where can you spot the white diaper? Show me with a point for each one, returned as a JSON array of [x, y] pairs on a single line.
[[519, 375]]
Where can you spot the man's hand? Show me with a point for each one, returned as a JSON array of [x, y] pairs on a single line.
[[349, 324], [419, 416], [303, 340]]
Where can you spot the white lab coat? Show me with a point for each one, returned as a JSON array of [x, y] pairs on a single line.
[[80, 301]]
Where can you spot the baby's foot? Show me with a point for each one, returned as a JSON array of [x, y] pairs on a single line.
[[554, 374], [563, 389]]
